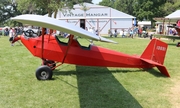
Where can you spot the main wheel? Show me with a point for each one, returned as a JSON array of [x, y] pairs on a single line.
[[44, 73]]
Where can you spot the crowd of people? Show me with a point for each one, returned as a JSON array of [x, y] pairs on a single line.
[[12, 33], [172, 31], [92, 30], [130, 32]]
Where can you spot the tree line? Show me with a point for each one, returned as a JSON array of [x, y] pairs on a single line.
[[144, 9], [141, 9]]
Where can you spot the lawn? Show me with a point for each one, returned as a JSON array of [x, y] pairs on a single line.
[[88, 87]]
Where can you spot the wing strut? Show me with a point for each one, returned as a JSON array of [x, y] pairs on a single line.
[[69, 44], [42, 46]]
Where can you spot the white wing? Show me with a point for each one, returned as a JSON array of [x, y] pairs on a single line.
[[51, 23]]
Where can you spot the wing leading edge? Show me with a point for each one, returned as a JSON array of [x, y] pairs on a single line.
[[56, 24]]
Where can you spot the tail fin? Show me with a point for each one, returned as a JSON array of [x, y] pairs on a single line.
[[155, 51], [155, 54]]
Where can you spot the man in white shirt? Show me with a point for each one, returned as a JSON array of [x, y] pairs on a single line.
[[11, 36]]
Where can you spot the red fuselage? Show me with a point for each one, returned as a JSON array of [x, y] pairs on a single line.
[[178, 31], [79, 55]]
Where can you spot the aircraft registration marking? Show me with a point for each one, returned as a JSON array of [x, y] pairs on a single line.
[[161, 48]]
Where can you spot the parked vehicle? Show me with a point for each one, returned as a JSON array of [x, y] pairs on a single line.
[[145, 34]]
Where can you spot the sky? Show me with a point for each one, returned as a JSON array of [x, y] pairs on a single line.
[[96, 1]]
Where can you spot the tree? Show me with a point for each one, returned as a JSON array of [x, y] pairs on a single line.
[[11, 8], [36, 6], [170, 6], [125, 6], [108, 3], [8, 9], [148, 9], [48, 6]]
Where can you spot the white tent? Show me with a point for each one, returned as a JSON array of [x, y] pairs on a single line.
[[100, 17], [174, 16]]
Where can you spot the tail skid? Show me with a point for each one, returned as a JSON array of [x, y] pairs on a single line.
[[154, 54]]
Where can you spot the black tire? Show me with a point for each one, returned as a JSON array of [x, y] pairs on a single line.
[[44, 73]]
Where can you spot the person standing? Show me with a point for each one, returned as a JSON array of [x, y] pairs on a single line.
[[110, 33], [131, 33], [123, 34], [178, 23], [91, 30], [115, 33], [15, 37], [139, 32], [11, 36], [86, 29], [97, 32]]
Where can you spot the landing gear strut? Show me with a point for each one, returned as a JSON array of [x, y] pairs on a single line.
[[49, 63]]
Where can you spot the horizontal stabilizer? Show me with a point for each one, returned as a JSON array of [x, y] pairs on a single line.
[[170, 26], [55, 24], [161, 68], [155, 54]]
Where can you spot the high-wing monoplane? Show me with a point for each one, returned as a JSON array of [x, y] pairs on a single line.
[[175, 28], [53, 52], [173, 37]]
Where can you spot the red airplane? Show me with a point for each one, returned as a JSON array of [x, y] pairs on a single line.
[[173, 37], [54, 52], [176, 27]]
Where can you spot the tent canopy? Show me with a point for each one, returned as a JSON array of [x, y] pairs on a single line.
[[174, 16]]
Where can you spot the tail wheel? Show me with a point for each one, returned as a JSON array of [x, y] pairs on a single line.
[[44, 73]]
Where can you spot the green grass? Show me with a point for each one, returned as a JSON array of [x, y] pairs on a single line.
[[88, 87]]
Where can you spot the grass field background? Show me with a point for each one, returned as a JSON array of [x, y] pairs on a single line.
[[88, 87]]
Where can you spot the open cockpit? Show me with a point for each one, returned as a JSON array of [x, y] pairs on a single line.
[[78, 42]]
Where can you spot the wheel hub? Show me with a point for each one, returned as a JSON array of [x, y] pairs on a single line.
[[43, 74]]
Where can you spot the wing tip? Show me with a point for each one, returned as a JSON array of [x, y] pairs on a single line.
[[102, 39]]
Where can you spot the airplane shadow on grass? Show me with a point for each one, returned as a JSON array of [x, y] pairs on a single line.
[[98, 88], [155, 73], [152, 71]]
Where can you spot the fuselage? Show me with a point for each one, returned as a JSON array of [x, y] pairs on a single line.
[[178, 31], [55, 50]]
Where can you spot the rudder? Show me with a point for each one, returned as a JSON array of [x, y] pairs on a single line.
[[155, 51]]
